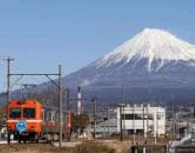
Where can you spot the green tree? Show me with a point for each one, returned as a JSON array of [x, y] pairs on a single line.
[[2, 117], [80, 121]]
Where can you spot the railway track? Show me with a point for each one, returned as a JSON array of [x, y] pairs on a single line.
[[4, 142]]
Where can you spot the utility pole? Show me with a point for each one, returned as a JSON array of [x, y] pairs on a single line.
[[69, 115], [155, 128], [121, 131], [95, 107], [143, 121], [108, 117], [174, 121], [8, 90], [158, 116], [68, 99], [123, 96], [134, 130], [104, 135], [147, 132], [123, 109]]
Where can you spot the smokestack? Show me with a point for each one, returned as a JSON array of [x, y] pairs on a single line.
[[79, 104]]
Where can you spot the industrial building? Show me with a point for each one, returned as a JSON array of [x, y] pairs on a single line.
[[147, 120]]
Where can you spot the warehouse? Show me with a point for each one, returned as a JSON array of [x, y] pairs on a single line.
[[147, 120]]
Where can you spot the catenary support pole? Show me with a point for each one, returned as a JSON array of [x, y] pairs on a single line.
[[58, 85], [60, 107], [8, 91]]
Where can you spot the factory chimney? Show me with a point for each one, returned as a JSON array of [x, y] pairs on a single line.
[[79, 104]]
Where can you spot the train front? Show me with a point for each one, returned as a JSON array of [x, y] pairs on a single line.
[[24, 119]]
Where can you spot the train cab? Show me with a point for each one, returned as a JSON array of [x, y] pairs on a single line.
[[24, 117]]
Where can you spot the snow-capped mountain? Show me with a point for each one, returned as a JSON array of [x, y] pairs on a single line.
[[152, 44], [153, 59]]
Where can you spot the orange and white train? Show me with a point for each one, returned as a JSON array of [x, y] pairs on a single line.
[[29, 120]]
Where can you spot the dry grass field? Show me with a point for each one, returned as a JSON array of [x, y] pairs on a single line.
[[46, 148], [92, 146]]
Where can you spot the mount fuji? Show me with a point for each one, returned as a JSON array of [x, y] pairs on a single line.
[[154, 65]]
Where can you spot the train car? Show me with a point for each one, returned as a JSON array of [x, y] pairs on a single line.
[[29, 120]]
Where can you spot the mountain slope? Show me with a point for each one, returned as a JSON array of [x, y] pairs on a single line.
[[153, 59]]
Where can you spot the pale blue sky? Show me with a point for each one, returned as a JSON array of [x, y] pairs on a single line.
[[40, 34]]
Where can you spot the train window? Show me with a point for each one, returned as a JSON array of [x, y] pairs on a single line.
[[29, 113], [15, 113]]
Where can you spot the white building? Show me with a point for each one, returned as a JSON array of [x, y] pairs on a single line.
[[146, 120]]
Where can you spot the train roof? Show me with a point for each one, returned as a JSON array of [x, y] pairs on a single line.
[[25, 101]]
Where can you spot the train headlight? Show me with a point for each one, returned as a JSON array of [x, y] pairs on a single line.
[[21, 126]]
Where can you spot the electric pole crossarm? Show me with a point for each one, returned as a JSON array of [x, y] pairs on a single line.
[[38, 74], [57, 85]]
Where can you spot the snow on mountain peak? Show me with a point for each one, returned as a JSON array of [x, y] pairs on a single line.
[[150, 44]]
